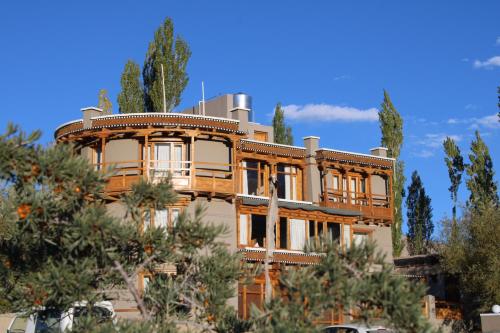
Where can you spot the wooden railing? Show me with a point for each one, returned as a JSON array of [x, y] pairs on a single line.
[[185, 175], [371, 205]]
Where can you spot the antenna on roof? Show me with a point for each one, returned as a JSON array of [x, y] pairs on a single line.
[[203, 96], [163, 85]]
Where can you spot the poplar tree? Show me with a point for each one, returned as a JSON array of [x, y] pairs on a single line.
[[481, 183], [282, 133], [391, 126], [173, 53], [104, 103], [419, 214], [131, 97], [455, 163]]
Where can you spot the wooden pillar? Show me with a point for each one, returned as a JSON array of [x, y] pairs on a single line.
[[369, 190], [145, 165], [192, 166], [325, 173], [103, 149]]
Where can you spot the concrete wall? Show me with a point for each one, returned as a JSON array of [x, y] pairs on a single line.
[[383, 237], [220, 212], [252, 127], [213, 152], [378, 185], [217, 107], [123, 150]]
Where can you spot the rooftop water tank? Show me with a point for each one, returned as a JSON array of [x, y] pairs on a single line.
[[242, 101]]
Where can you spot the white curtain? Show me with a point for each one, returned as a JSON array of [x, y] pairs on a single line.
[[347, 235], [175, 216], [244, 184], [161, 219], [359, 238], [243, 229], [178, 160], [147, 219], [287, 183], [297, 234], [162, 156]]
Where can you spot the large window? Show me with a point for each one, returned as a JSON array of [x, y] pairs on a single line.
[[288, 179], [254, 178], [290, 234], [162, 218]]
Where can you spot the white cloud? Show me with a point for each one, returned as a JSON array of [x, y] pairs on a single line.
[[425, 153], [435, 140], [489, 121], [341, 77], [329, 113], [488, 64], [486, 121]]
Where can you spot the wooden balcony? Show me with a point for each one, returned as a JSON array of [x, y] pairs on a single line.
[[206, 177], [373, 206]]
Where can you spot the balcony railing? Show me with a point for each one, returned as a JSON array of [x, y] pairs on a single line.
[[185, 175], [377, 206]]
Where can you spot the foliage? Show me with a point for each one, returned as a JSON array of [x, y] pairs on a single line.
[[472, 254], [455, 163], [419, 213], [391, 126], [58, 244], [104, 103], [131, 98], [282, 133], [481, 183], [173, 54], [356, 282]]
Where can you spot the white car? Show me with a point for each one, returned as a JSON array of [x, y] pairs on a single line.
[[54, 321], [355, 328]]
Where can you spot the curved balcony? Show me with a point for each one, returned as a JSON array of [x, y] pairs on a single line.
[[205, 177]]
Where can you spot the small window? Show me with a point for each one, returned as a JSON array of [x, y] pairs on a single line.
[[283, 233], [260, 136], [258, 231], [19, 325]]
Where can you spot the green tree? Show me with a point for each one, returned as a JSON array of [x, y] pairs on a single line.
[[472, 255], [58, 244], [391, 126], [282, 133], [173, 54], [455, 163], [419, 214], [131, 98], [104, 103], [481, 183], [348, 283]]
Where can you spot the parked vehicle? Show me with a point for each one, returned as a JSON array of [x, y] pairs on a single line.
[[355, 328], [57, 321]]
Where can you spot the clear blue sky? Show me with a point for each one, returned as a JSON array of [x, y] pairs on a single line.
[[327, 60]]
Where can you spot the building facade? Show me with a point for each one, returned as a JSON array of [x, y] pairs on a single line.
[[217, 156]]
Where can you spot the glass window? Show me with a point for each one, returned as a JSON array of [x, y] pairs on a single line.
[[283, 233], [333, 231], [175, 216], [19, 325], [297, 234], [258, 234], [359, 238], [347, 235], [48, 321], [243, 229]]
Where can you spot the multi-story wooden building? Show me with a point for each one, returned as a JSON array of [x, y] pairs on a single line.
[[216, 155]]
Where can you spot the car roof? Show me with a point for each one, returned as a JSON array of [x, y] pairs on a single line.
[[362, 326]]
